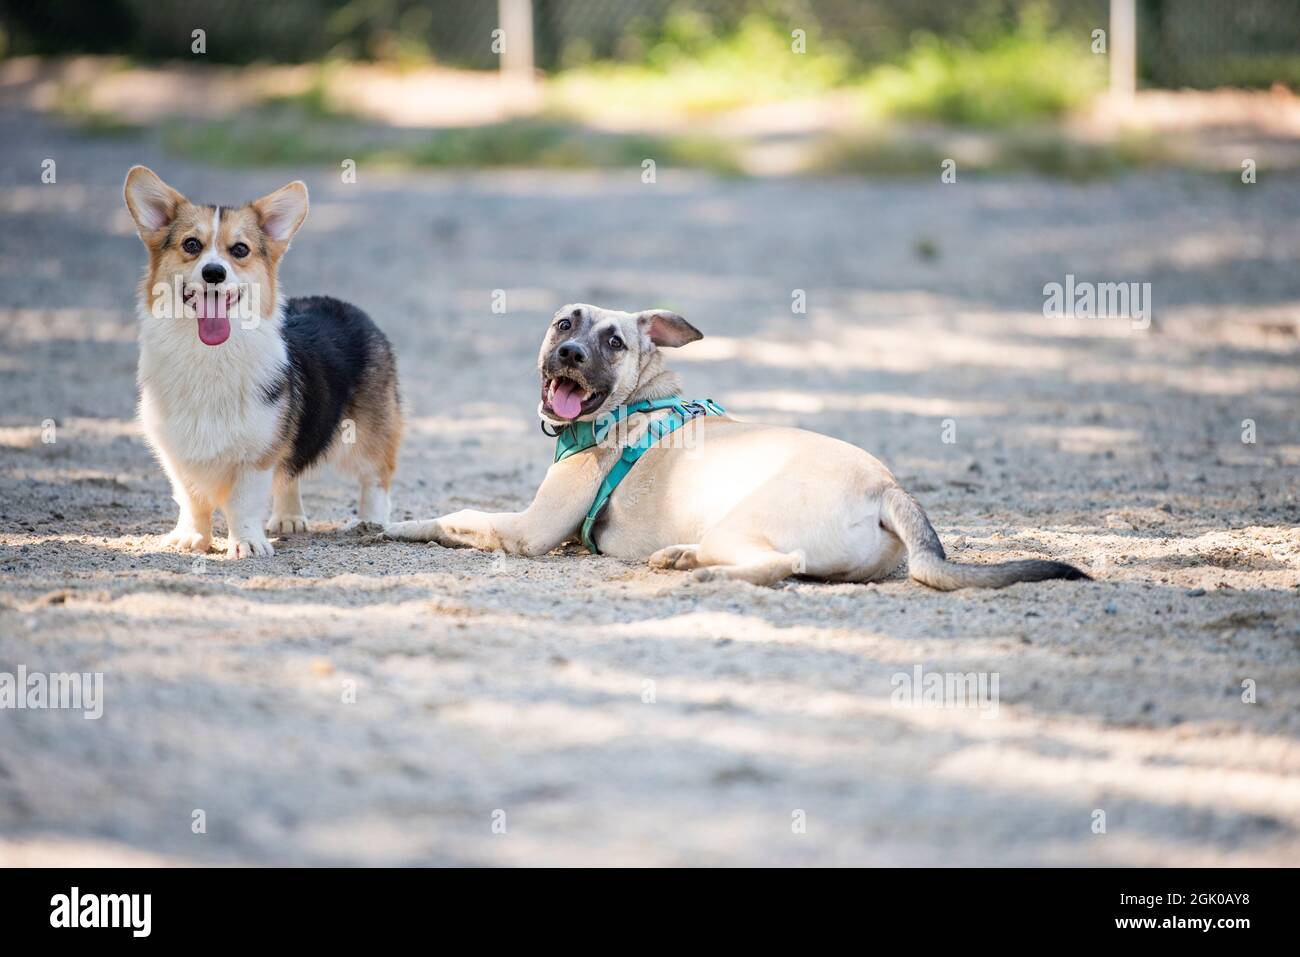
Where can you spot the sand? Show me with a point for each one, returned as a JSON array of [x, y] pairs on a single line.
[[355, 702]]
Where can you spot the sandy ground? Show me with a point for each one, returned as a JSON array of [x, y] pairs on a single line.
[[608, 714]]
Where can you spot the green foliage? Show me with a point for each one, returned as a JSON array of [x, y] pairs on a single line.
[[1007, 80], [689, 66], [1000, 78]]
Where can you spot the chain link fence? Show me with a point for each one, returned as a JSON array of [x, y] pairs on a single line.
[[1195, 43], [1209, 43]]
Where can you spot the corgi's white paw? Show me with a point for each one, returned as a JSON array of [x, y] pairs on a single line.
[[249, 548], [186, 538], [286, 524]]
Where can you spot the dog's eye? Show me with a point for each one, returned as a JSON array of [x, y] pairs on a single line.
[[564, 325], [192, 246], [615, 343], [239, 250]]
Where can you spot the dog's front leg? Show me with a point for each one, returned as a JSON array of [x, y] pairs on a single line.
[[555, 514], [493, 532], [193, 531], [246, 509]]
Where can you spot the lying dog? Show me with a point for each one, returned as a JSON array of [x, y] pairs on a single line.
[[236, 413], [732, 500]]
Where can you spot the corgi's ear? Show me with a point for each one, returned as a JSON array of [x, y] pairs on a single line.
[[666, 328], [152, 202], [282, 212]]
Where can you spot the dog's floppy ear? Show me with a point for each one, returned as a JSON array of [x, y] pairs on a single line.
[[667, 328], [282, 212], [151, 202]]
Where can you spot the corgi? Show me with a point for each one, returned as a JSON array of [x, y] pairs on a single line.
[[242, 391]]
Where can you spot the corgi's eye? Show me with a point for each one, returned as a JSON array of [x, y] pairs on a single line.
[[239, 250], [564, 325], [615, 343], [192, 246]]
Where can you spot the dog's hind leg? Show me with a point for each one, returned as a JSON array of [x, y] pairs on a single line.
[[373, 470], [287, 515], [371, 455], [744, 559], [373, 506]]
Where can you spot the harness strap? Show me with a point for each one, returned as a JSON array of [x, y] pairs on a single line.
[[580, 436]]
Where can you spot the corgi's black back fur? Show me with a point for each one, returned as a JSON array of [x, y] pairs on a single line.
[[338, 361]]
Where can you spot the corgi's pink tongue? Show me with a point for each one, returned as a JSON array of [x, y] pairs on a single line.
[[214, 326], [566, 400]]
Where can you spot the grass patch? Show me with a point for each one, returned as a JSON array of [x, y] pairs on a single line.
[[1042, 151], [878, 154], [72, 105], [1052, 154], [316, 101], [283, 136]]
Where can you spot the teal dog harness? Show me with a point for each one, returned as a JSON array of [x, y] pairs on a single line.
[[580, 436]]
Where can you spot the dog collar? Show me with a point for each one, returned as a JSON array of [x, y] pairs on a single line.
[[581, 436]]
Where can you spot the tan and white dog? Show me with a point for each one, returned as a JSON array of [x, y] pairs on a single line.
[[740, 500], [242, 391]]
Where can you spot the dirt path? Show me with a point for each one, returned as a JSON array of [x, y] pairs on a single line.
[[487, 684]]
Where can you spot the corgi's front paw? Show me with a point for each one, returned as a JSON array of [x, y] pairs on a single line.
[[286, 524], [249, 547], [186, 538]]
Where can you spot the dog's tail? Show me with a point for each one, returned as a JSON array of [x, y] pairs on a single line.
[[927, 563]]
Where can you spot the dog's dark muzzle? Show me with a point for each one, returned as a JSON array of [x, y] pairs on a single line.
[[571, 354]]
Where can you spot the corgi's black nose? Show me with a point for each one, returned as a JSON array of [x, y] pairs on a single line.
[[571, 354], [214, 272]]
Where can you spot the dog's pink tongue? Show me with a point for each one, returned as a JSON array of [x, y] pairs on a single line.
[[566, 401], [214, 326]]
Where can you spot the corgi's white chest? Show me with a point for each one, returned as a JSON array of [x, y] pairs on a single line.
[[206, 404], [196, 424]]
